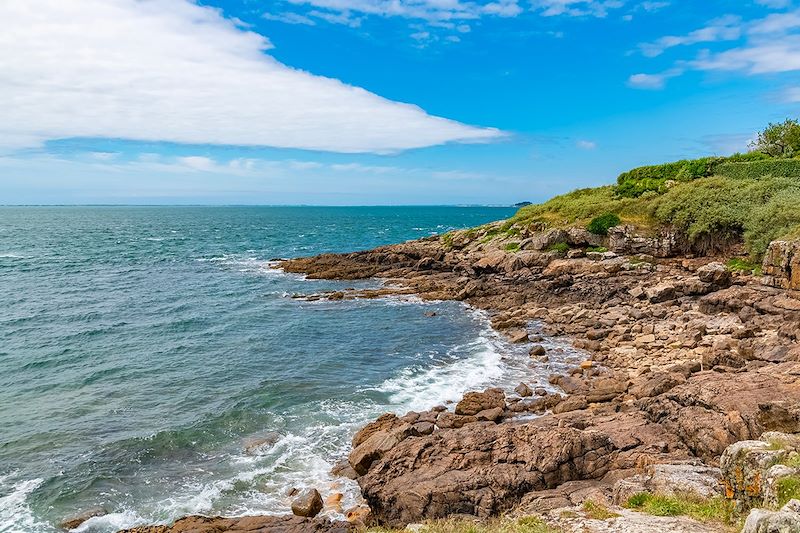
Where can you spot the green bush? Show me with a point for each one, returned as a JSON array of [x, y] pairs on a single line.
[[600, 225], [782, 168], [717, 211], [560, 247], [638, 181], [580, 205]]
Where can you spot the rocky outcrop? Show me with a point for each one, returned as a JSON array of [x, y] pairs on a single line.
[[785, 520], [480, 470], [249, 524], [781, 265]]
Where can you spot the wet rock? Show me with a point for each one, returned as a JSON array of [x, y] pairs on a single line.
[[517, 336], [537, 351], [474, 402], [248, 524], [343, 469], [523, 390], [307, 504], [254, 445], [74, 521]]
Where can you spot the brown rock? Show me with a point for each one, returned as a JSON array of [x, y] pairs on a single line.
[[247, 524], [474, 402], [307, 504], [78, 519]]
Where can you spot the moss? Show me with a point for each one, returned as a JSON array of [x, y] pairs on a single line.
[[597, 512], [743, 265], [598, 249], [560, 247], [716, 509], [512, 247]]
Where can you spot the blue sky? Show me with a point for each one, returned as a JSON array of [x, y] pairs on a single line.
[[377, 101]]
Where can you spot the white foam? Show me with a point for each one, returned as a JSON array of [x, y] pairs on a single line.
[[15, 513]]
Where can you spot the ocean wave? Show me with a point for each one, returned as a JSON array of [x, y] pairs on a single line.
[[16, 515]]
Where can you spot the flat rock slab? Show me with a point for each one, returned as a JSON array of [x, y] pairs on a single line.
[[629, 522]]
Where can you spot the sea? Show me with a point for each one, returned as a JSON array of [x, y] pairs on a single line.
[[145, 350]]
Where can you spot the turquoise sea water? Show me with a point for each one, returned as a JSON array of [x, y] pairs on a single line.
[[141, 349]]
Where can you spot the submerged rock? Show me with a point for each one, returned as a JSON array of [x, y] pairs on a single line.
[[76, 520]]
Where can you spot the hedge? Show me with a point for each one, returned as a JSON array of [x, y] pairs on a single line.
[[779, 168], [638, 181]]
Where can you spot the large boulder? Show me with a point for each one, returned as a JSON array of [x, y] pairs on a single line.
[[744, 466], [482, 469], [308, 503], [474, 402]]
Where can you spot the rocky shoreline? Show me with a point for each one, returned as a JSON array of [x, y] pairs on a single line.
[[685, 359]]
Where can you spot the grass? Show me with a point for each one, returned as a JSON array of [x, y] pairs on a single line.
[[560, 247], [512, 247], [716, 509], [744, 265], [596, 511], [598, 249], [788, 488], [530, 524]]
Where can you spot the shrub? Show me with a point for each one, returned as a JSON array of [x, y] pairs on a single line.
[[638, 181], [580, 205], [781, 168], [600, 225], [560, 247], [717, 211], [741, 265]]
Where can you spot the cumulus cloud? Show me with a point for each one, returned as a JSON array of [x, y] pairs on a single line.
[[174, 71]]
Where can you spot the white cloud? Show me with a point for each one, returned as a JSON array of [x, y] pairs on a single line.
[[653, 81], [586, 145], [775, 4], [289, 18], [769, 45], [170, 70], [576, 8], [722, 29]]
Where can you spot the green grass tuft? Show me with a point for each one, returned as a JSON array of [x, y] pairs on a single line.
[[597, 512], [512, 247], [788, 488], [530, 524], [716, 509]]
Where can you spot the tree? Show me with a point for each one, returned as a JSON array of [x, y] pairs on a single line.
[[779, 140]]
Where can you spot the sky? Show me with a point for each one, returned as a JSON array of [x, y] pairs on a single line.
[[366, 102]]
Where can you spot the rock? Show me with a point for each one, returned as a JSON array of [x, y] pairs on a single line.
[[382, 423], [715, 273], [684, 479], [248, 524], [744, 466], [480, 470], [490, 415], [781, 265], [655, 384], [787, 520], [517, 336], [661, 292], [540, 391], [586, 364], [523, 390], [372, 449], [537, 351], [430, 314], [772, 479], [426, 263], [76, 520], [254, 445], [572, 403], [474, 402], [360, 516], [423, 428], [343, 469], [547, 239], [307, 504]]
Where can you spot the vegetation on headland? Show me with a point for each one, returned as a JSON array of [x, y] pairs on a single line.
[[752, 198]]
